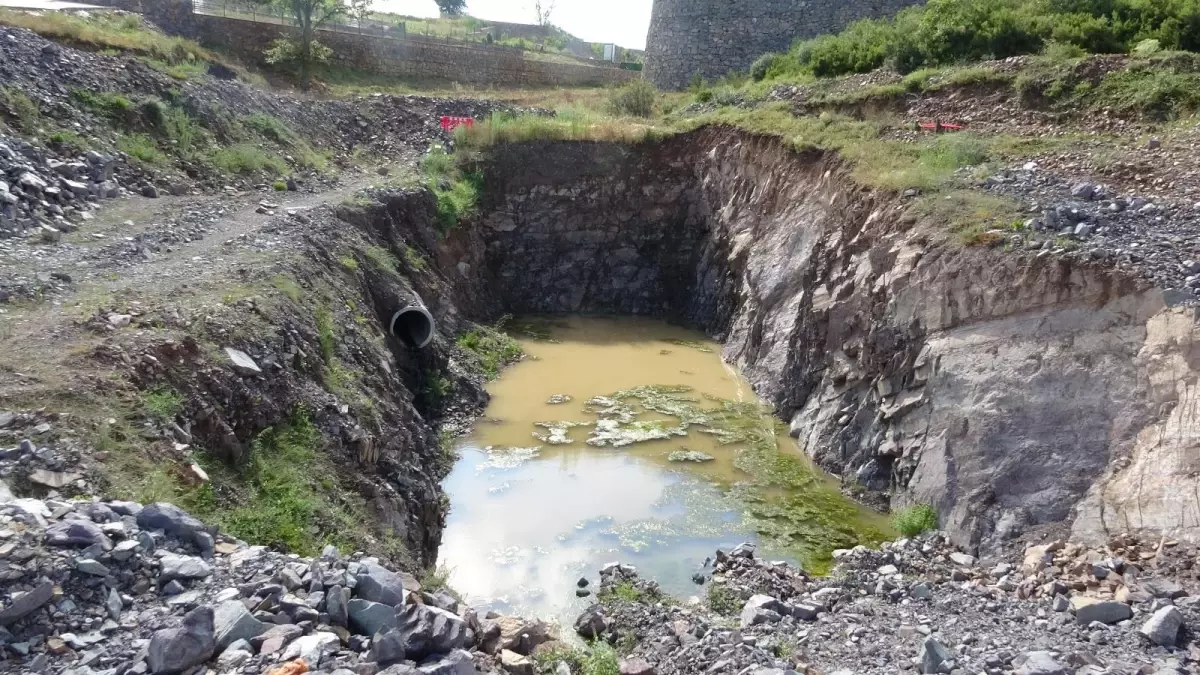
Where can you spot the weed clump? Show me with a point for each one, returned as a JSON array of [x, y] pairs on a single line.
[[20, 108], [636, 99], [914, 520], [491, 348]]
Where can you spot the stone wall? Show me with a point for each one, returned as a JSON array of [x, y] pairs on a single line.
[[713, 37], [412, 58]]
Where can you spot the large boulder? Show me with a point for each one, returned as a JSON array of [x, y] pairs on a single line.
[[430, 630], [935, 657], [388, 648], [457, 662], [1041, 663], [1162, 628], [521, 635], [77, 533], [312, 648], [233, 622], [378, 584], [762, 609], [1104, 612], [173, 650], [171, 519], [27, 602], [337, 605], [592, 623], [182, 567], [368, 618]]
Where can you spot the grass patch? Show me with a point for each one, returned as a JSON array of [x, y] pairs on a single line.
[[142, 148], [638, 98], [915, 520], [279, 186], [326, 334], [109, 104], [491, 349], [381, 259], [104, 31], [68, 142], [414, 259], [722, 600], [456, 190], [21, 110], [183, 70], [568, 125], [348, 263], [163, 403], [246, 159], [625, 591], [288, 287], [971, 216]]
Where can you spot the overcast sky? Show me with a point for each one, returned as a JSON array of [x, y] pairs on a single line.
[[621, 21]]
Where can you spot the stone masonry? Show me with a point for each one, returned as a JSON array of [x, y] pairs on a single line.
[[712, 37]]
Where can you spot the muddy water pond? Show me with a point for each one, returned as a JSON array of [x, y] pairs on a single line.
[[627, 439]]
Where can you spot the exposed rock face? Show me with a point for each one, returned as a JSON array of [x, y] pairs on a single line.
[[1008, 389]]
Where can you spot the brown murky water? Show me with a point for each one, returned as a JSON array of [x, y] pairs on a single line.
[[536, 504]]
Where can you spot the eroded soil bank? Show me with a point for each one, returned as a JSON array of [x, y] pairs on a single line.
[[1009, 389]]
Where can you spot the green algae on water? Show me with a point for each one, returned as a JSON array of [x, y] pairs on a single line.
[[781, 497]]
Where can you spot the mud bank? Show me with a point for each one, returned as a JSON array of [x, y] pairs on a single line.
[[1010, 390]]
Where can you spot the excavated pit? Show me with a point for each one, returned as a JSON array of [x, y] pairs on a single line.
[[1009, 390]]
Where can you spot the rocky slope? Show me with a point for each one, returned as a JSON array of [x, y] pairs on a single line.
[[917, 605], [118, 587]]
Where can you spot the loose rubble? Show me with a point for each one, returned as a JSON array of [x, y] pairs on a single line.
[[916, 605], [119, 588]]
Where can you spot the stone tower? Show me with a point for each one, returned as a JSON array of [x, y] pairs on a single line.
[[713, 37]]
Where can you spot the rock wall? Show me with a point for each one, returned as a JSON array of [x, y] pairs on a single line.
[[1009, 390], [712, 37]]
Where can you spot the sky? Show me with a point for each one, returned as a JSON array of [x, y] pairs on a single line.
[[624, 22]]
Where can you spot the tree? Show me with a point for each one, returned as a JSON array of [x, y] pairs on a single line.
[[305, 50], [543, 11], [359, 9], [452, 7]]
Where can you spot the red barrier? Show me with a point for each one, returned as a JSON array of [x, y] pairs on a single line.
[[939, 126], [452, 123]]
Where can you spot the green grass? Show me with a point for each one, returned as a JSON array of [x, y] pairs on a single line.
[[381, 259], [21, 110], [722, 600], [414, 259], [288, 287], [183, 70], [109, 32], [107, 103], [141, 147], [625, 591], [349, 263], [247, 159], [279, 186], [163, 403], [638, 98], [326, 334], [69, 141], [915, 520], [491, 349], [456, 190]]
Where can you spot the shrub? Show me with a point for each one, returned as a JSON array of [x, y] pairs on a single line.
[[279, 186], [637, 99], [914, 520], [245, 158], [22, 110], [491, 348]]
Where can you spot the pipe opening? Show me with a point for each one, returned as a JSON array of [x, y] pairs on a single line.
[[413, 326]]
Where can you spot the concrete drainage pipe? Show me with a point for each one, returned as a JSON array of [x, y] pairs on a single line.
[[413, 325]]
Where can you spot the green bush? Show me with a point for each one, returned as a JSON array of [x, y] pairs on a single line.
[[945, 32], [20, 108], [914, 520], [637, 99], [245, 158]]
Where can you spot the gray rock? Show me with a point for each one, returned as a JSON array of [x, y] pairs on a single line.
[[150, 191], [170, 519], [1083, 191], [312, 648], [183, 567], [963, 559], [27, 602], [636, 666], [1162, 588], [1104, 612], [1041, 663], [921, 592], [89, 566], [457, 662], [1162, 628], [429, 630], [77, 533], [125, 508], [173, 650], [282, 634], [761, 609], [388, 648], [233, 622], [368, 618], [378, 584], [113, 604], [806, 611], [336, 604], [935, 657], [1060, 603], [592, 623], [242, 362]]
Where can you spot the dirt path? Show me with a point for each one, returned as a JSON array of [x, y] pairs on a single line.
[[138, 255]]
